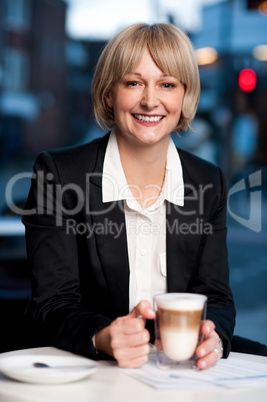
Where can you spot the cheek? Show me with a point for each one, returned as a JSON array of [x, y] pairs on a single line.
[[124, 104], [178, 102]]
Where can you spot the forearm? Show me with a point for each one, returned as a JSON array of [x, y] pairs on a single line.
[[70, 327]]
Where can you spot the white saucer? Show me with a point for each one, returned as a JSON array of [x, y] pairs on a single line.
[[20, 367]]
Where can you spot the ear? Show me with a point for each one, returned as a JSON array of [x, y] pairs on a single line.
[[109, 100]]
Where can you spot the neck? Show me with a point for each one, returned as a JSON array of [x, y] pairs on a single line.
[[144, 169]]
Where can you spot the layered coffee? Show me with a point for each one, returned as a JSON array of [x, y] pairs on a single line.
[[179, 320]]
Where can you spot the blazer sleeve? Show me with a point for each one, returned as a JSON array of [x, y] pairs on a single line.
[[213, 271], [56, 305]]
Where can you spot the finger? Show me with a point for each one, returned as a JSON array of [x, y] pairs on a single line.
[[127, 325], [208, 361], [134, 363], [130, 340], [207, 327], [144, 309], [123, 354], [132, 357], [208, 345]]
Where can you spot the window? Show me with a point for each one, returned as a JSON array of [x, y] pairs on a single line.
[[16, 70], [17, 14]]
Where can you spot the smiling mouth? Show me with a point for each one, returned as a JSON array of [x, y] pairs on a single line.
[[147, 119]]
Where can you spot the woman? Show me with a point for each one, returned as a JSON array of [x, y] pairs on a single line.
[[111, 223]]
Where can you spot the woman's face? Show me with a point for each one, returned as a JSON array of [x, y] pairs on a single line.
[[146, 103]]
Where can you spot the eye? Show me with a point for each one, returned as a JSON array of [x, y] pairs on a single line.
[[131, 83], [168, 85]]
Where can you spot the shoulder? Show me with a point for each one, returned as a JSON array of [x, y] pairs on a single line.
[[201, 172], [70, 160], [79, 154]]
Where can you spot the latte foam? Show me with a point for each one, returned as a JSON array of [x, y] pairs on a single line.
[[181, 302]]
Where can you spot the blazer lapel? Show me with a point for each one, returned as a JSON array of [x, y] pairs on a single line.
[[108, 221], [178, 245], [176, 251]]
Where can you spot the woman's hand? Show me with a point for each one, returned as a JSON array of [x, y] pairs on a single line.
[[207, 351], [126, 338]]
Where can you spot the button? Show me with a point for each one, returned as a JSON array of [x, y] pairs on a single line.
[[143, 253], [143, 289]]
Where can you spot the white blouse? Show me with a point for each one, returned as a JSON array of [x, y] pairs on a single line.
[[145, 228]]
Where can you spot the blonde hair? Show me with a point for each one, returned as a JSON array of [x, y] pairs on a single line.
[[170, 49]]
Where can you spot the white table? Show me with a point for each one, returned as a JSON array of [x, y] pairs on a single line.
[[110, 384]]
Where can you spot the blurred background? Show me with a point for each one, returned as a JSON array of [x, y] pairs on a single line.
[[48, 50]]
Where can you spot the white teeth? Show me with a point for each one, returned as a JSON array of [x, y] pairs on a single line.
[[147, 118]]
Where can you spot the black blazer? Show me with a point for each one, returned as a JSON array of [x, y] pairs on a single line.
[[79, 264]]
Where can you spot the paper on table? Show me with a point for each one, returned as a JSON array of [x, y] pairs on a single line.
[[228, 373]]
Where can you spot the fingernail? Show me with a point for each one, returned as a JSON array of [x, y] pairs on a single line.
[[203, 364], [146, 338], [150, 311], [202, 352], [139, 327]]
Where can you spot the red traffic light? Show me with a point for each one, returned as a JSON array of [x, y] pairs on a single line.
[[247, 79]]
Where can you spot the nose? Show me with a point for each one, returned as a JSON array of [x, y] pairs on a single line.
[[149, 99]]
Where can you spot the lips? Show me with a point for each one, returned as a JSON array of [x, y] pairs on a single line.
[[147, 119]]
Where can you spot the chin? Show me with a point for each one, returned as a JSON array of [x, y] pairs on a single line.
[[151, 139]]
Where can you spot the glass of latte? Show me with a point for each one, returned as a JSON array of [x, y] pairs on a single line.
[[177, 328]]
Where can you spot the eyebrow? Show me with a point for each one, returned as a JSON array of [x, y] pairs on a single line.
[[162, 75]]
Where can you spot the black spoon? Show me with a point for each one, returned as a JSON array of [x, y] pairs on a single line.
[[44, 365]]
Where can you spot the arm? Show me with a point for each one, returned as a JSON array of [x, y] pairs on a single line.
[[213, 279], [56, 305]]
